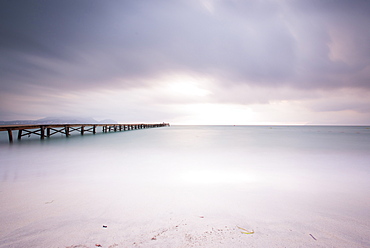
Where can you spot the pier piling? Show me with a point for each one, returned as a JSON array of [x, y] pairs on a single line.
[[49, 130], [10, 134]]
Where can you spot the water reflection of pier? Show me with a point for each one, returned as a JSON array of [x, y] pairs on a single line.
[[47, 130]]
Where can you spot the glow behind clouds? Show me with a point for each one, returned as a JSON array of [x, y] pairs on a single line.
[[187, 62]]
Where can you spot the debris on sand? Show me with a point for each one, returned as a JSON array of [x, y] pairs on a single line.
[[245, 230], [313, 236]]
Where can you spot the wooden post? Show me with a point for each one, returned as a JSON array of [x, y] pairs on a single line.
[[19, 134], [42, 132], [49, 130], [10, 134]]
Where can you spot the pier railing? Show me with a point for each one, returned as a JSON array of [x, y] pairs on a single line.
[[47, 130]]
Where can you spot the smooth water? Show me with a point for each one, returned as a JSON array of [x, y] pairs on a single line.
[[285, 182]]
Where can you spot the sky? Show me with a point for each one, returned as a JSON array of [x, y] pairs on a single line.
[[205, 62]]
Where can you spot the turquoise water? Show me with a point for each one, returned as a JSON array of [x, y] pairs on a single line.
[[314, 177]]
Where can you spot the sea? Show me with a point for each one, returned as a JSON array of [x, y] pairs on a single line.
[[294, 186]]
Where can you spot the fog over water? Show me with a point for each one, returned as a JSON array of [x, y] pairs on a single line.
[[284, 182]]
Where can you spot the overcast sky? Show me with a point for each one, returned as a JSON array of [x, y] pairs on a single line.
[[187, 62]]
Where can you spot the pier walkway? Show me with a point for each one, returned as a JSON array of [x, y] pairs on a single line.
[[47, 130]]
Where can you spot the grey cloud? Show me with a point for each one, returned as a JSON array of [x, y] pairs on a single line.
[[357, 105], [72, 45]]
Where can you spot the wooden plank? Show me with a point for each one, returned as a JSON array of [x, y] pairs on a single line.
[[54, 131]]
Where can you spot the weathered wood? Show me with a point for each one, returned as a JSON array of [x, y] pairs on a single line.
[[27, 132], [87, 129], [20, 134], [42, 132], [10, 134], [68, 128], [54, 131]]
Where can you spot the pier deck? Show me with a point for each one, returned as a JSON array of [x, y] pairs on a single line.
[[47, 130]]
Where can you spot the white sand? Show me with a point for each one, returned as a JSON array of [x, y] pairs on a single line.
[[161, 215], [191, 190]]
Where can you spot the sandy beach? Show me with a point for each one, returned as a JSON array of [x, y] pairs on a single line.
[[157, 216], [185, 196]]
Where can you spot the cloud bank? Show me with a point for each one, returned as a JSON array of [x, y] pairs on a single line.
[[92, 56]]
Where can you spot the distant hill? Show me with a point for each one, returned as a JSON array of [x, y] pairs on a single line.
[[59, 120], [108, 121]]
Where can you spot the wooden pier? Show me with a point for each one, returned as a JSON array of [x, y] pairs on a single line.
[[47, 130]]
